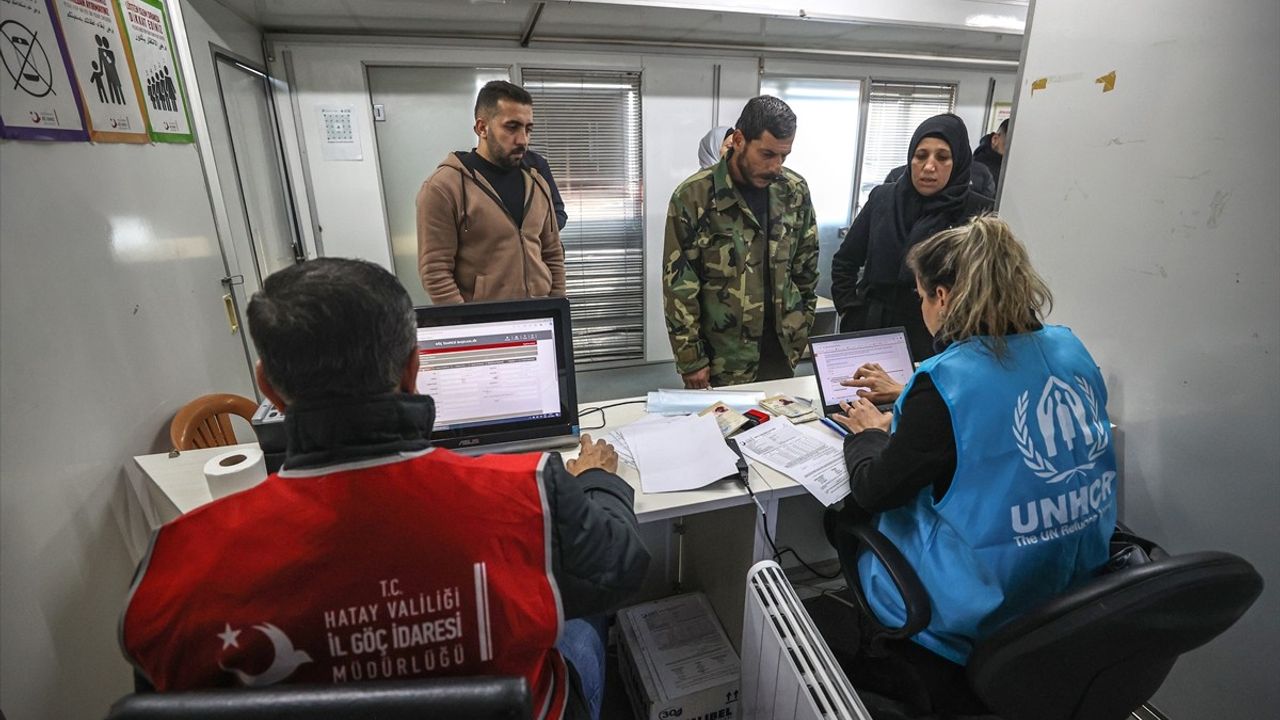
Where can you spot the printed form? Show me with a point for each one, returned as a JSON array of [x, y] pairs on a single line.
[[807, 455], [679, 453], [684, 647]]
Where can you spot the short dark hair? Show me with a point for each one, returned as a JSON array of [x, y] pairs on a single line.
[[766, 112], [1004, 126], [495, 90], [332, 327]]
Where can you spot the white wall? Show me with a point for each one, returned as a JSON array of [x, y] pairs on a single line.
[[676, 106], [1152, 211], [110, 319]]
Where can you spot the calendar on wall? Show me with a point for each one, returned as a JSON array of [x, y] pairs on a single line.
[[340, 134]]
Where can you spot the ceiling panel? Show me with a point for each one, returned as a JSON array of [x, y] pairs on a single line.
[[603, 22]]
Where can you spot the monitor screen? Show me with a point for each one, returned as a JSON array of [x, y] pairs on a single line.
[[837, 357], [498, 372]]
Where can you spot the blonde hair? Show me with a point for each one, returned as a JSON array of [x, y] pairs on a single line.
[[994, 290]]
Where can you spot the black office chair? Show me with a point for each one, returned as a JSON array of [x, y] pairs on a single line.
[[471, 698], [1098, 652]]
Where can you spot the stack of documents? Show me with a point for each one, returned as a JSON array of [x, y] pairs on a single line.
[[805, 454], [675, 453]]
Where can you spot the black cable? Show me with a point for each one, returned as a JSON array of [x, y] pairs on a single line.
[[744, 472], [601, 409]]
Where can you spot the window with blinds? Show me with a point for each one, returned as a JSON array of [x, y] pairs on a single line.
[[896, 109], [587, 126]]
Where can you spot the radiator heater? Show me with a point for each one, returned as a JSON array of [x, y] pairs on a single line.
[[788, 672]]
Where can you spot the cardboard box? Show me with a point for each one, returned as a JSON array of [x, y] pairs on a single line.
[[676, 662]]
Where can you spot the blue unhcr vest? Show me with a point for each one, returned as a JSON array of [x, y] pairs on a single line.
[[1031, 506]]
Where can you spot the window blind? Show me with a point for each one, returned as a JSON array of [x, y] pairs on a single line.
[[896, 109], [587, 126]]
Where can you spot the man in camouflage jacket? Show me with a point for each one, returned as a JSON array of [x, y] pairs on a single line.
[[717, 282]]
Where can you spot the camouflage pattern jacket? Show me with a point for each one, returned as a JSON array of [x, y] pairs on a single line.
[[714, 275]]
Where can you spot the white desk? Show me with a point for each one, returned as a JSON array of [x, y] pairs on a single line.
[[717, 529]]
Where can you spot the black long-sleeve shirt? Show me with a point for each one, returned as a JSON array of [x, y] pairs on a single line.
[[888, 471]]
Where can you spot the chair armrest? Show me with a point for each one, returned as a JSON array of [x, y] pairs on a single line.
[[854, 538]]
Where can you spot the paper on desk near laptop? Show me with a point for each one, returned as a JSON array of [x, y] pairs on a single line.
[[678, 453], [688, 402], [805, 454]]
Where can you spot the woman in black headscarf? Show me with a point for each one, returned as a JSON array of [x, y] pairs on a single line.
[[933, 196]]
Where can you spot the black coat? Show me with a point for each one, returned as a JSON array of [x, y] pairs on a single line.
[[539, 163], [990, 159], [871, 230]]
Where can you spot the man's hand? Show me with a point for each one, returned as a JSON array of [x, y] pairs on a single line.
[[698, 379], [863, 415], [879, 386], [598, 454]]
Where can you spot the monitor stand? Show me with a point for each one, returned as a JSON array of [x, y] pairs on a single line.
[[557, 442]]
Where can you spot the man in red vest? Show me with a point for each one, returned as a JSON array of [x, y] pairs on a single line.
[[372, 555]]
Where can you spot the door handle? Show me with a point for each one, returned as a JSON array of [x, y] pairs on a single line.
[[232, 320]]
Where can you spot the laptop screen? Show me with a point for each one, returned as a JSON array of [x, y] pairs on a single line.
[[498, 372], [837, 357]]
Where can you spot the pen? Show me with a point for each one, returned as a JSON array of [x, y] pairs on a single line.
[[834, 426]]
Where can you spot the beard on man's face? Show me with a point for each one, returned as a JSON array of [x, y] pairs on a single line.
[[501, 156], [752, 178]]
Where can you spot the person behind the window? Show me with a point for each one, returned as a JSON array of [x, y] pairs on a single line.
[[487, 228], [538, 163], [714, 145], [990, 152], [870, 284], [995, 475], [740, 258], [372, 555]]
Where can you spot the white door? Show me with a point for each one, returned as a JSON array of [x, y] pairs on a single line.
[[262, 214], [420, 114]]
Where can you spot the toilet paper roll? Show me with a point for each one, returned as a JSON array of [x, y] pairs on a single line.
[[235, 470]]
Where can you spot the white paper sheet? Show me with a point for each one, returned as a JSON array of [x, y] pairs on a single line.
[[688, 402], [679, 453], [619, 441], [807, 455]]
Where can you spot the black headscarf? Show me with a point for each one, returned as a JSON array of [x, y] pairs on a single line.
[[916, 217]]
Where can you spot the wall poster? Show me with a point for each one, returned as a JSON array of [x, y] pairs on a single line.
[[38, 99], [151, 44], [103, 70]]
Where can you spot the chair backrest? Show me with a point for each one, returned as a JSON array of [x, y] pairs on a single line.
[[473, 698], [1103, 649], [206, 421]]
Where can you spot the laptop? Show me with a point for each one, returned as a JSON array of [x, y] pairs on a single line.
[[501, 374], [837, 357]]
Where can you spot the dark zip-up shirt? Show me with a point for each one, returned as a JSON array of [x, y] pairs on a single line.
[[507, 182]]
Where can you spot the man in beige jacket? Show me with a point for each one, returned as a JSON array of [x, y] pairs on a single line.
[[486, 227]]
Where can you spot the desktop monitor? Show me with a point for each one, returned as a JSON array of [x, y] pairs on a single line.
[[501, 374]]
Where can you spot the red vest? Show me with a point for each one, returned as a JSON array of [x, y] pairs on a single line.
[[432, 564]]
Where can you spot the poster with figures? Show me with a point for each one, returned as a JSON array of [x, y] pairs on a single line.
[[38, 99], [151, 43], [103, 70]]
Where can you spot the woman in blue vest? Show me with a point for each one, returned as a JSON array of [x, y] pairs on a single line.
[[995, 474]]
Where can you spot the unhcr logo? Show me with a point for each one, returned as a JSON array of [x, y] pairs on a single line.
[[1065, 420]]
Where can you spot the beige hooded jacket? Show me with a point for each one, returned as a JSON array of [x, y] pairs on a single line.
[[469, 247]]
